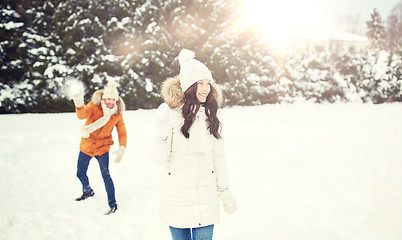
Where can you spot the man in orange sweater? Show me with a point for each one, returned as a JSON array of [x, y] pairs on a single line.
[[102, 114]]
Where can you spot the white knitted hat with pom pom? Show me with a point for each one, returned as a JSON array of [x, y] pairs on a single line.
[[110, 91], [191, 70]]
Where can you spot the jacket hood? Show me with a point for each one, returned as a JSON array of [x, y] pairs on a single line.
[[97, 99], [173, 95]]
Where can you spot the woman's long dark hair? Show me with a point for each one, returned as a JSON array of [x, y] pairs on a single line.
[[191, 107]]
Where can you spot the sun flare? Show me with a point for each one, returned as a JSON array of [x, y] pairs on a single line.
[[284, 20]]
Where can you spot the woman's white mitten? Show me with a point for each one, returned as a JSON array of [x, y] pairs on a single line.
[[229, 202], [162, 122]]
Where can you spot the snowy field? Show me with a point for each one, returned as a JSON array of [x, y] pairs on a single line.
[[299, 172]]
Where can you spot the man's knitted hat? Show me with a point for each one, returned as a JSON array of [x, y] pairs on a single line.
[[110, 91]]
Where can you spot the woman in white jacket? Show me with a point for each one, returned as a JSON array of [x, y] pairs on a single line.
[[189, 144]]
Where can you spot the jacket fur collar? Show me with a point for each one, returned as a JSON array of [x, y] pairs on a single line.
[[174, 97], [97, 98]]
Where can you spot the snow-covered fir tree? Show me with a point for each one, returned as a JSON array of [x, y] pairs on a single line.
[[26, 58], [11, 30], [376, 31]]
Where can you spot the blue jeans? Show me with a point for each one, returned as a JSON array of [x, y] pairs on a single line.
[[82, 167], [201, 233]]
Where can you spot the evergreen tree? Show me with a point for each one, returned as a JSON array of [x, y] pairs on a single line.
[[26, 89], [80, 29], [11, 29], [162, 29], [395, 78], [376, 30], [350, 69], [46, 66], [377, 79]]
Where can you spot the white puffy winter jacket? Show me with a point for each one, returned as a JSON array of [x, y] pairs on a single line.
[[190, 181]]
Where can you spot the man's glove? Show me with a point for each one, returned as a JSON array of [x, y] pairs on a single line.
[[119, 154], [229, 202], [78, 99], [84, 132]]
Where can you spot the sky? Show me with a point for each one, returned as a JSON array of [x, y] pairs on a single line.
[[362, 7]]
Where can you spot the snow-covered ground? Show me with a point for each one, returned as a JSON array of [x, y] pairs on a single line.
[[299, 172]]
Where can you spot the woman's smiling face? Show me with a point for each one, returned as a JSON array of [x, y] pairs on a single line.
[[203, 89]]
